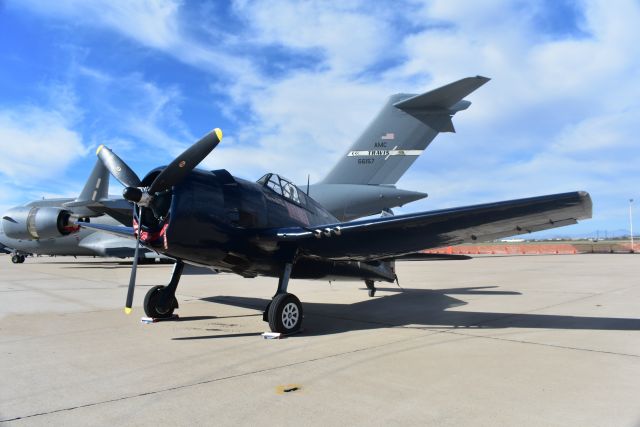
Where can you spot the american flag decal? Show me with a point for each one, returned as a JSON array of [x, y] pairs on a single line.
[[388, 137]]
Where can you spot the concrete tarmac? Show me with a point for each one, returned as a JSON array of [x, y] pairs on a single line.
[[495, 341]]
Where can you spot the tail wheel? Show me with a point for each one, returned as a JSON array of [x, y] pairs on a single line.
[[285, 314], [153, 301]]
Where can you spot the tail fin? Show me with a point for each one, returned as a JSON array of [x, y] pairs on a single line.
[[400, 133], [96, 188]]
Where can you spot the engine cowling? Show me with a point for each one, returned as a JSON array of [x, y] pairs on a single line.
[[37, 223]]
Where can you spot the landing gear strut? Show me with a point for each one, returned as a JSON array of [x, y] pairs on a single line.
[[160, 301], [371, 286], [284, 312]]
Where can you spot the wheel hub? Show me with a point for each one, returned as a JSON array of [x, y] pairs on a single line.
[[290, 315], [158, 306]]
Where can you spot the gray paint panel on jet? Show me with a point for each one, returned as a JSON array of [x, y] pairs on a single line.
[[367, 161]]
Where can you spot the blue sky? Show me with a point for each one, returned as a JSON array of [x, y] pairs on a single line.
[[292, 84]]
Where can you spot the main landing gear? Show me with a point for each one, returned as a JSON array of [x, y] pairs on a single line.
[[17, 258], [372, 287], [160, 301], [284, 312]]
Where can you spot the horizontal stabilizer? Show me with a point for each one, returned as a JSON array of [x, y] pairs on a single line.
[[349, 201], [436, 107], [445, 97]]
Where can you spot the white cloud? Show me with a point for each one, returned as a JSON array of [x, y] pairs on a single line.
[[136, 117], [37, 150], [36, 144], [348, 39], [155, 24], [302, 124], [151, 22]]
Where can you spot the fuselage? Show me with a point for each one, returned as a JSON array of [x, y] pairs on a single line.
[[218, 220]]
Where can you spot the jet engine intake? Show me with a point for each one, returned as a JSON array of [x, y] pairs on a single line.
[[36, 223]]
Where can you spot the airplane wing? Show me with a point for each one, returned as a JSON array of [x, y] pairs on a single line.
[[389, 237], [5, 249], [119, 209], [116, 230]]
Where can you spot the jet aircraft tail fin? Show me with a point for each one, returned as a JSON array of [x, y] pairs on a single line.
[[96, 188], [403, 129]]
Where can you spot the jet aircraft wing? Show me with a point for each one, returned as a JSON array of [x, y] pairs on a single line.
[[389, 237], [116, 230]]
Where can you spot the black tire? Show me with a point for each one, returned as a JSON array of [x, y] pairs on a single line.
[[372, 287], [15, 259], [265, 313], [22, 258], [152, 304], [285, 314]]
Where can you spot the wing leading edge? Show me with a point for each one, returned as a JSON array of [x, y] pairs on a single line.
[[388, 237]]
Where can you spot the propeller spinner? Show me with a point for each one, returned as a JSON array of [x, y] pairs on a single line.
[[170, 176]]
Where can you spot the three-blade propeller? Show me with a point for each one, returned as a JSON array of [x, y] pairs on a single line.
[[172, 175]]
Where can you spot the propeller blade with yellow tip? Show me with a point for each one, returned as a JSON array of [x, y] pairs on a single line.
[[185, 162], [170, 176], [118, 167]]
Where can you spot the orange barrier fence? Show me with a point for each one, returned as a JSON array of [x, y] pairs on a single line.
[[533, 248]]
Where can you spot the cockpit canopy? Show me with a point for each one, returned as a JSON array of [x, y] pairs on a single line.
[[283, 187]]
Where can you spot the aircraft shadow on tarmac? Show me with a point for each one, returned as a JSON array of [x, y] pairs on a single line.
[[424, 309]]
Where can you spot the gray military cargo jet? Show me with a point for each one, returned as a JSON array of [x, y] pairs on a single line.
[[46, 227]]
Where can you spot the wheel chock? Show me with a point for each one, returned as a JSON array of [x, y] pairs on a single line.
[[271, 335], [149, 320], [278, 335]]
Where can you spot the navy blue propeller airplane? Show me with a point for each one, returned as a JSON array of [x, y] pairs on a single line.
[[272, 228]]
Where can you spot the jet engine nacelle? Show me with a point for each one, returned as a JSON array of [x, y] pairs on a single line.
[[37, 223]]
